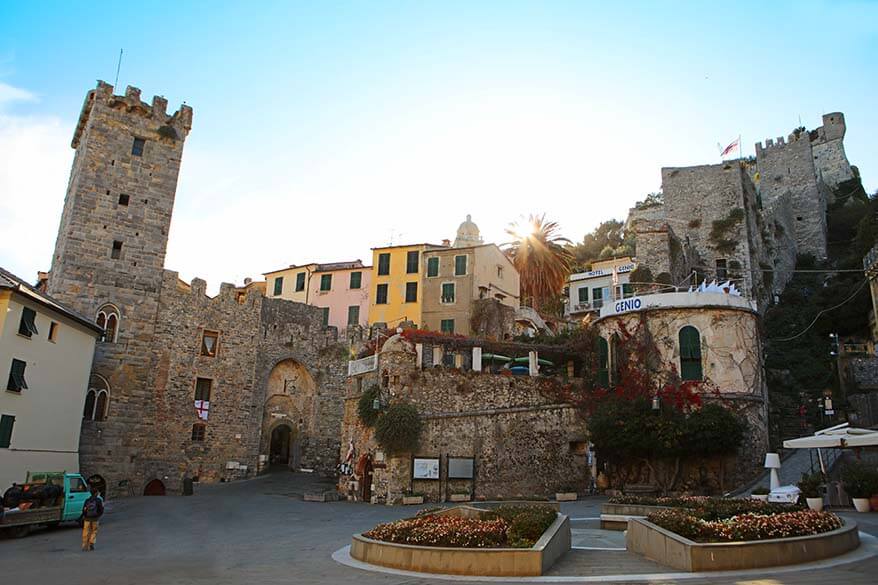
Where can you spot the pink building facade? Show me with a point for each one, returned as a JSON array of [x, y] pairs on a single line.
[[341, 289]]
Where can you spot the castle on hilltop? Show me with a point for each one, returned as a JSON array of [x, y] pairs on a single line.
[[182, 385], [746, 221]]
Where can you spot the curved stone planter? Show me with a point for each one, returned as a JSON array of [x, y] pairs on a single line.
[[673, 550], [499, 562], [616, 516]]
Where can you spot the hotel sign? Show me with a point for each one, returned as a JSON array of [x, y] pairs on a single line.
[[603, 272], [625, 305]]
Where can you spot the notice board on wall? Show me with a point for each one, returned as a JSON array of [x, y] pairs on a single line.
[[425, 468], [461, 468]]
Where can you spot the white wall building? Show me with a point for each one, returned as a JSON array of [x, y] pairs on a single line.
[[605, 282], [46, 353]]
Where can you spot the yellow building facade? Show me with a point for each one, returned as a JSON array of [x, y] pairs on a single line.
[[396, 289]]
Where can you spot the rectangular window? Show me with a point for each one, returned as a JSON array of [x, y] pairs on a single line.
[[460, 266], [117, 250], [411, 292], [381, 294], [300, 282], [356, 279], [447, 325], [433, 266], [202, 388], [7, 421], [627, 290], [721, 272], [583, 295], [278, 285], [53, 332], [137, 147], [447, 292], [123, 199], [326, 316], [198, 431], [16, 381], [383, 264], [499, 272], [325, 282], [411, 262], [27, 326], [597, 296], [209, 342], [353, 315]]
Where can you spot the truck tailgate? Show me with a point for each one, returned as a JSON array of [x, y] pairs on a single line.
[[32, 516]]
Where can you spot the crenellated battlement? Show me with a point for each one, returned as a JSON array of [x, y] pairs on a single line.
[[180, 121], [197, 288], [833, 128]]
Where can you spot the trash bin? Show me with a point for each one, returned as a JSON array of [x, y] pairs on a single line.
[[187, 486]]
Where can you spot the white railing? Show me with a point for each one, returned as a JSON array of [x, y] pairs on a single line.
[[363, 366]]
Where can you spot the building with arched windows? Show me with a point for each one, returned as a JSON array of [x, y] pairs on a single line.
[[709, 337], [182, 384]]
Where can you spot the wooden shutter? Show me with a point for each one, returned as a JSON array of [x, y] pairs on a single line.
[[603, 363], [690, 354], [6, 423]]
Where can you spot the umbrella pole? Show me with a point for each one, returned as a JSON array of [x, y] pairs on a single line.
[[822, 466]]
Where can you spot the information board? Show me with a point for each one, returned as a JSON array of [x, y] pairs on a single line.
[[460, 467], [425, 468]]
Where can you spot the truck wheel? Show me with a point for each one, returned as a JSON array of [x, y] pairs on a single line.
[[19, 531], [53, 525]]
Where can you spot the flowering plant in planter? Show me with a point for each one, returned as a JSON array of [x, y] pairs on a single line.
[[748, 526]]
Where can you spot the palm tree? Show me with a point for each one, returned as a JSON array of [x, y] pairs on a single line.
[[542, 261]]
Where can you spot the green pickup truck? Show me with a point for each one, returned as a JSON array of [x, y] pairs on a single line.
[[66, 508]]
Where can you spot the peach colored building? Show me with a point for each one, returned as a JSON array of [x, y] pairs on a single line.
[[341, 289]]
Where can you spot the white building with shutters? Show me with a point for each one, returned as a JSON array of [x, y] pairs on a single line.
[[606, 282], [46, 353]]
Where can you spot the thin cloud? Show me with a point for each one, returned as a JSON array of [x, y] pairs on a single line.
[[10, 94]]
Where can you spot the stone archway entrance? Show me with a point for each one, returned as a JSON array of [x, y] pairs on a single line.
[[154, 488], [288, 415]]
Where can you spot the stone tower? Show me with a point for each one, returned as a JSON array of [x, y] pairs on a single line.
[[110, 251]]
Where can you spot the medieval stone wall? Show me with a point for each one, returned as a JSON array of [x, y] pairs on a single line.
[[524, 444]]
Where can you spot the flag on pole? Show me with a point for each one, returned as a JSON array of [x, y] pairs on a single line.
[[730, 147]]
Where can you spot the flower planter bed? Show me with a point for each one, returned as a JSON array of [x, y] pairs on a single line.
[[459, 498], [673, 550], [467, 541], [566, 497], [412, 500]]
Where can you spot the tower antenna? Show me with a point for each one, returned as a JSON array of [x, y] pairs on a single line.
[[118, 67]]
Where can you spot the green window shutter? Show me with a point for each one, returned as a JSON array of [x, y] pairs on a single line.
[[597, 297], [381, 294], [278, 285], [300, 282], [27, 326], [6, 423], [411, 262], [353, 315], [326, 316], [433, 266], [603, 363], [383, 264], [690, 354], [16, 381], [356, 279], [448, 292], [627, 290], [325, 282], [583, 295], [447, 326], [459, 265], [411, 292]]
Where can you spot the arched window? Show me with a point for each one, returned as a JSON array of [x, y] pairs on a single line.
[[108, 318], [97, 399], [603, 363], [690, 354]]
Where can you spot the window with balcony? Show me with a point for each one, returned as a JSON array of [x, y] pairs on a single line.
[[447, 292], [583, 295]]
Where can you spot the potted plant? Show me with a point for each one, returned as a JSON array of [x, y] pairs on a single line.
[[760, 493], [810, 484], [413, 498], [567, 494], [460, 496], [859, 482]]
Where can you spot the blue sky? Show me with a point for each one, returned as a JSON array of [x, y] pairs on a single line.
[[322, 130]]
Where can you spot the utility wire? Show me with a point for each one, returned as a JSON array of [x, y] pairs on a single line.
[[805, 330]]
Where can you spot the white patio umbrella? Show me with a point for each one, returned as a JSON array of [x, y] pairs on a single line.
[[841, 436]]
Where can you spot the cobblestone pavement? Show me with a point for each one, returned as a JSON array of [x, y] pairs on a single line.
[[260, 531]]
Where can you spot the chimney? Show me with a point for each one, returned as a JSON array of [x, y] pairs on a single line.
[[247, 281], [446, 243]]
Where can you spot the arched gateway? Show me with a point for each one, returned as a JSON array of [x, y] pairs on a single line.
[[288, 414]]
